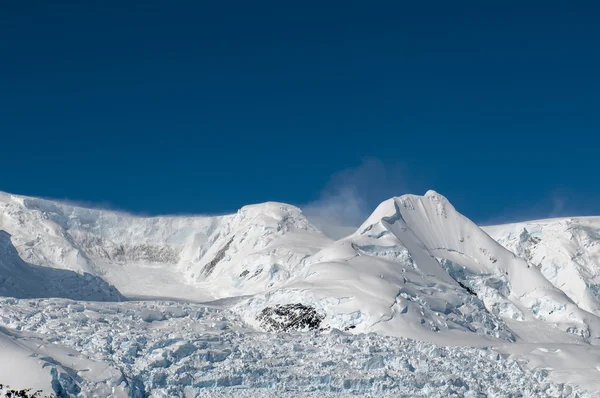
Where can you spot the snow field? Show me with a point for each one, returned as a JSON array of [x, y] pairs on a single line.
[[164, 349], [419, 301]]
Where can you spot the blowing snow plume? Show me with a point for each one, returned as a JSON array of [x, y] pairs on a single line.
[[352, 194]]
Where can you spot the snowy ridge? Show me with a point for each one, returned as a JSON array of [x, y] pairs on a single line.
[[195, 258], [451, 236], [415, 269], [387, 278], [566, 251]]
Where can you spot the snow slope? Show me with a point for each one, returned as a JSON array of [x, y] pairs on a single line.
[[387, 278], [23, 370], [23, 280], [192, 258], [415, 269], [565, 250]]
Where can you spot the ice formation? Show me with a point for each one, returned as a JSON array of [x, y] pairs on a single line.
[[419, 301]]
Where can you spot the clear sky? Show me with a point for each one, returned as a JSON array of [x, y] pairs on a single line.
[[203, 106]]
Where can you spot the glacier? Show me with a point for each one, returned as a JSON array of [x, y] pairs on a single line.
[[418, 301]]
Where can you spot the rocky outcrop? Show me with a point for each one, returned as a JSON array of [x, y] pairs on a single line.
[[282, 318]]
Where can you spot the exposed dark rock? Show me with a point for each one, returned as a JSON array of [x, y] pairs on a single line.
[[257, 273], [98, 247], [286, 317], [209, 268], [26, 393], [467, 288]]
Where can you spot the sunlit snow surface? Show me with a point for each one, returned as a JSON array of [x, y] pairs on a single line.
[[418, 301], [164, 349]]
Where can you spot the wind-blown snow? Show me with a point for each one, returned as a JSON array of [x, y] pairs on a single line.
[[387, 278], [192, 258], [416, 293]]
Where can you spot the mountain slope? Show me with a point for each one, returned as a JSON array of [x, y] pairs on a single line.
[[565, 250], [193, 258], [416, 269], [387, 278], [23, 280]]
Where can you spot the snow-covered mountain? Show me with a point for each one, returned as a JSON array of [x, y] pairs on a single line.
[[415, 269], [192, 258], [565, 250]]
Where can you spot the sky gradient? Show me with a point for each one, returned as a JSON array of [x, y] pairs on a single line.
[[201, 107]]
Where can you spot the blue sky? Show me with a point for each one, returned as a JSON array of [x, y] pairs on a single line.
[[202, 107]]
